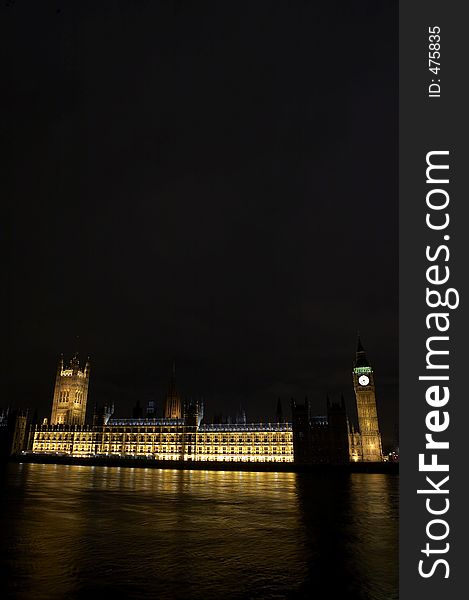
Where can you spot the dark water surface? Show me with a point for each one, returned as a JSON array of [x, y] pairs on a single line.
[[80, 532]]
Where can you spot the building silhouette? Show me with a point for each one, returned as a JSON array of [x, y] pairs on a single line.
[[13, 437]]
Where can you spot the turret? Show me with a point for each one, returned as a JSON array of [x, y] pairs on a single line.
[[191, 413]]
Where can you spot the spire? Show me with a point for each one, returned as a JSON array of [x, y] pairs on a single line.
[[172, 407], [279, 412], [360, 358], [359, 343], [172, 382], [75, 362], [241, 416], [137, 410]]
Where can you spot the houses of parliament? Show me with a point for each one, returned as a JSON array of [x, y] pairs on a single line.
[[181, 434]]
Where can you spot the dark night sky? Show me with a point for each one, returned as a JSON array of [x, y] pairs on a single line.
[[210, 182]]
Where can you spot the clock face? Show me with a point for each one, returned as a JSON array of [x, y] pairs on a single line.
[[363, 380]]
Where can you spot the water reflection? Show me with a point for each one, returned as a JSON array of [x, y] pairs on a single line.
[[141, 533], [350, 524]]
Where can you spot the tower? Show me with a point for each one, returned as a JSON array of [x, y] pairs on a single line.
[[364, 386], [172, 404], [70, 393], [191, 413], [301, 426], [338, 446]]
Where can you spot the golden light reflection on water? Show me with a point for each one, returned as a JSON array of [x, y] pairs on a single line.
[[144, 533]]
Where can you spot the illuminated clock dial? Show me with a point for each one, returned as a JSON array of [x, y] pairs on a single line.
[[363, 380]]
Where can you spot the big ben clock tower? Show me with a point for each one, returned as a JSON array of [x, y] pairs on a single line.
[[364, 386]]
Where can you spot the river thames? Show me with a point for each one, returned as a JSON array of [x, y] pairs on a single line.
[[82, 531]]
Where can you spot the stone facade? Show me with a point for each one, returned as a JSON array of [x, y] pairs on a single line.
[[170, 439], [70, 394]]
